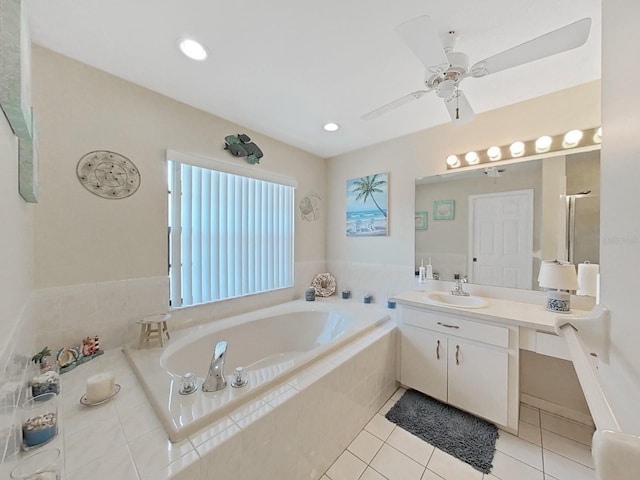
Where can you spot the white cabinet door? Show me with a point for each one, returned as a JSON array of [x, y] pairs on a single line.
[[423, 361], [478, 379]]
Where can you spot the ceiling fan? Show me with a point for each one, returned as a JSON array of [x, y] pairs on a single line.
[[445, 68]]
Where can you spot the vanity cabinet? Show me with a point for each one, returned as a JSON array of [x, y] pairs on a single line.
[[461, 362]]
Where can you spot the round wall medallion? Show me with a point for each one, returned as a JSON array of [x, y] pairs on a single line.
[[108, 174]]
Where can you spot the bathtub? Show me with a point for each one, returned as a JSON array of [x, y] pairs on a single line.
[[271, 344]]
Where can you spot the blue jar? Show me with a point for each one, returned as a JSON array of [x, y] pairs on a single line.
[[310, 294]]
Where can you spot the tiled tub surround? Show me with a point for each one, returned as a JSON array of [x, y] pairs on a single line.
[[64, 315], [295, 430], [270, 344]]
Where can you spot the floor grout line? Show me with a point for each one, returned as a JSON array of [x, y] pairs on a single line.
[[426, 467]]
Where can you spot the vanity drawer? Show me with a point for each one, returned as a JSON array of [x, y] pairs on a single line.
[[455, 326]]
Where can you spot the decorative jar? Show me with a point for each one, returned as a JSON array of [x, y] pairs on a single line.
[[39, 420], [44, 465]]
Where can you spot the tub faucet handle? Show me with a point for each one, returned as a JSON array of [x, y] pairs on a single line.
[[240, 378]]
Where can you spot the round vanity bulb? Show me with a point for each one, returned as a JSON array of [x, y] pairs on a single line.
[[471, 158], [597, 137], [494, 153], [453, 161], [543, 144], [517, 149], [572, 138]]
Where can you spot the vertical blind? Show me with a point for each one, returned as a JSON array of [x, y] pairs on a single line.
[[231, 235]]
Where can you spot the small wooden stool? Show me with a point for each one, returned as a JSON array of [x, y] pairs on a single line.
[[154, 326]]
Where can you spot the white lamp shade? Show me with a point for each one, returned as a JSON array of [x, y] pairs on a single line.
[[558, 275]]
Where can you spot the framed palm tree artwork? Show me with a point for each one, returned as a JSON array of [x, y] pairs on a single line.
[[367, 199]]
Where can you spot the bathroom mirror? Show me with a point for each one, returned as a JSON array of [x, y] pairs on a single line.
[[507, 218]]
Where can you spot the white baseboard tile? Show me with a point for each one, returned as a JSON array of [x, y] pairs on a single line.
[[556, 409]]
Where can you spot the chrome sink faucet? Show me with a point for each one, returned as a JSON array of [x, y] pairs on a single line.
[[457, 290], [215, 380]]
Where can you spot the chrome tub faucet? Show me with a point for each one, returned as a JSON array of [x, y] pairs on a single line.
[[215, 379]]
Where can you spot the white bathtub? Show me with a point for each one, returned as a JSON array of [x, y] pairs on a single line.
[[270, 344]]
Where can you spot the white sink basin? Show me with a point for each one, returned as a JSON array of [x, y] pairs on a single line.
[[445, 298]]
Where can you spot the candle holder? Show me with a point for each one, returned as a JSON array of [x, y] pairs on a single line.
[[346, 293], [310, 294], [44, 465], [45, 380], [39, 420]]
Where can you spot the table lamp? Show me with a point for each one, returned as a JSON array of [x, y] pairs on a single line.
[[559, 278]]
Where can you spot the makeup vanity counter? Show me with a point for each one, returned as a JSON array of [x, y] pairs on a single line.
[[469, 357], [520, 314]]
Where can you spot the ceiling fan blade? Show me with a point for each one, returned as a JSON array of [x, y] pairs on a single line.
[[395, 104], [557, 41], [422, 38], [459, 108]]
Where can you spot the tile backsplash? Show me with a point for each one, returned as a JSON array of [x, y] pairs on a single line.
[[59, 317]]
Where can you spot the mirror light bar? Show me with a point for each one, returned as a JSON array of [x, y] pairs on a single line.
[[574, 139]]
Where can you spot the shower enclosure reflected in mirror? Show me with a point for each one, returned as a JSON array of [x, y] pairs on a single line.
[[508, 218]]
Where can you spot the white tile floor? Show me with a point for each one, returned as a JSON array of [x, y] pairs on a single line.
[[548, 448]]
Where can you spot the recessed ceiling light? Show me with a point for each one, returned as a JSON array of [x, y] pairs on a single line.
[[331, 127], [192, 49]]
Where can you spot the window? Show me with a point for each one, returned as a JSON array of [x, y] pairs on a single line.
[[230, 235]]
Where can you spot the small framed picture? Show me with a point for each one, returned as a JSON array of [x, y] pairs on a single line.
[[421, 220], [443, 209]]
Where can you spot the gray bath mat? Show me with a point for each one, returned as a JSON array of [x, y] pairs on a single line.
[[458, 433]]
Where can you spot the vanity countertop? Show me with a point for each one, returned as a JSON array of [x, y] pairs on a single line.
[[528, 315]]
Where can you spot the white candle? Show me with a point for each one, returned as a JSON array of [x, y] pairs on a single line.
[[100, 387]]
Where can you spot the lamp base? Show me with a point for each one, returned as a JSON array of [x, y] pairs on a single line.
[[558, 302]]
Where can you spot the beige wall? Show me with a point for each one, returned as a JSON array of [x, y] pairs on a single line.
[[423, 153], [82, 238], [101, 264], [620, 221]]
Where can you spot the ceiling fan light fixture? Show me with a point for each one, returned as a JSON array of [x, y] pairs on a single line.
[[543, 144], [471, 158], [445, 88], [494, 153], [572, 138], [517, 149], [192, 49], [453, 161], [331, 127]]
